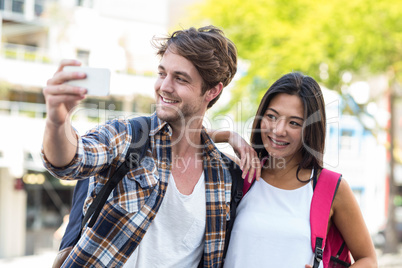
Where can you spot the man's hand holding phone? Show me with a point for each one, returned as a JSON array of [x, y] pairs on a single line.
[[60, 140], [69, 85], [97, 80]]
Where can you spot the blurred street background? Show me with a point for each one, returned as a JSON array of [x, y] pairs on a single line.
[[352, 48]]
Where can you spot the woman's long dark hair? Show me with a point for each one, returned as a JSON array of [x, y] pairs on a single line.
[[314, 126]]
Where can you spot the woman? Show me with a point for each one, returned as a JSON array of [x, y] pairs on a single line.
[[272, 227]]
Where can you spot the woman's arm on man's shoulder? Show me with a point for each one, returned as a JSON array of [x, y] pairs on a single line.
[[249, 161]]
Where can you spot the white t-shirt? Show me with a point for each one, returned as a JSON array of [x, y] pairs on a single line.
[[272, 228], [177, 234]]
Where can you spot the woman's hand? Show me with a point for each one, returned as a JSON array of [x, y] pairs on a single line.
[[249, 162]]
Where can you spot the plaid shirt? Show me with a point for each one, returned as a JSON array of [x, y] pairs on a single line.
[[133, 204]]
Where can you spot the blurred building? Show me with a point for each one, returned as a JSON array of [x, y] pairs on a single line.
[[35, 36], [353, 150]]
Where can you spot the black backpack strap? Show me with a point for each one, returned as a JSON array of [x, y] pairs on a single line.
[[338, 254], [318, 252], [139, 144], [236, 196], [314, 178]]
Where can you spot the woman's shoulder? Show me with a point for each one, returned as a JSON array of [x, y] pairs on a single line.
[[343, 191], [344, 195]]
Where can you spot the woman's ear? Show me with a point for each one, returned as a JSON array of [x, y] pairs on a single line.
[[213, 92]]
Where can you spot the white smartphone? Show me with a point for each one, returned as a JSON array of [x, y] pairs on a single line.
[[97, 81]]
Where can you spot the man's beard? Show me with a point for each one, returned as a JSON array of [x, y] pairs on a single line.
[[175, 115]]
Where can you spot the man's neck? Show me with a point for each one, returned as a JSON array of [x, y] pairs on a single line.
[[186, 138], [187, 163]]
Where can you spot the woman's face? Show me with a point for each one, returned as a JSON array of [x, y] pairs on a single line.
[[281, 127]]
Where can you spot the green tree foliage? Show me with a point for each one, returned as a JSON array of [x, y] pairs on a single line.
[[323, 39]]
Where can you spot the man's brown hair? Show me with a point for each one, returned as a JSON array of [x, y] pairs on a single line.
[[214, 55]]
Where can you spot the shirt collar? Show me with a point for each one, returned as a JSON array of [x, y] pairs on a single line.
[[209, 145], [158, 124]]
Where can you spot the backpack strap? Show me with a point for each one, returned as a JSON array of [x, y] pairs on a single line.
[[140, 127], [246, 184], [321, 203], [236, 196]]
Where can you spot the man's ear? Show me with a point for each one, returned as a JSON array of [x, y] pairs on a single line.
[[213, 92]]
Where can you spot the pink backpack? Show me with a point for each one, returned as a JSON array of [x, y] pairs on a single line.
[[335, 254]]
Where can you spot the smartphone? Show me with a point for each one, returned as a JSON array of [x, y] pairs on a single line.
[[97, 81]]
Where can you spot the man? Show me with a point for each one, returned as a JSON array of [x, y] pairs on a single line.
[[172, 210]]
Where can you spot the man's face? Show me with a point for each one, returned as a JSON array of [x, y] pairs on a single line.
[[178, 90]]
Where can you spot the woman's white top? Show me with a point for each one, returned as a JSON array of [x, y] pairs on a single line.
[[272, 228], [176, 235]]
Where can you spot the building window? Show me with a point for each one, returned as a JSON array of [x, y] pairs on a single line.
[[346, 139], [39, 7], [85, 3], [17, 6], [1, 4]]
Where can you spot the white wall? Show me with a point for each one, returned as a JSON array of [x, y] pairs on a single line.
[[12, 217]]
